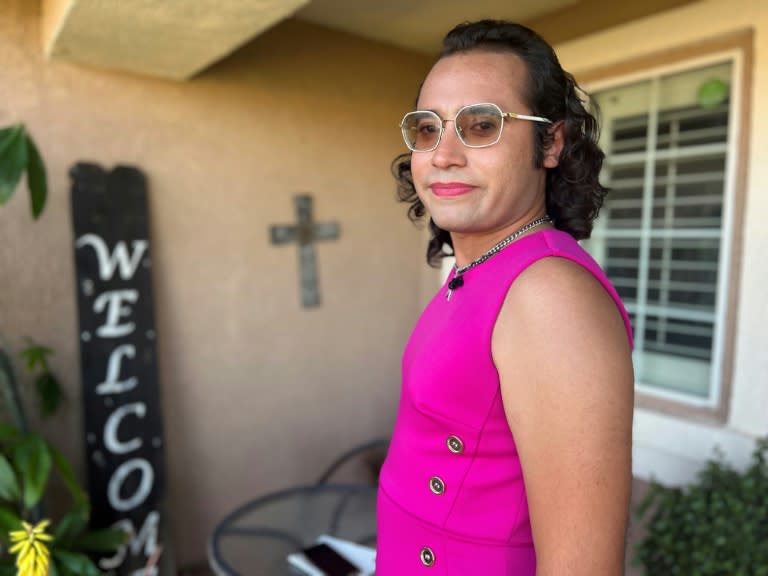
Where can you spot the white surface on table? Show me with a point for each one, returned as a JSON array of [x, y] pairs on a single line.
[[363, 557]]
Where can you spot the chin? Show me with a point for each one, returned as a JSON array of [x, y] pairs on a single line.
[[456, 216], [454, 225], [446, 223]]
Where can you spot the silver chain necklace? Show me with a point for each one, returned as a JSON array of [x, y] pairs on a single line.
[[458, 278]]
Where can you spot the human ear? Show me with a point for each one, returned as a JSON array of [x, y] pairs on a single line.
[[557, 141]]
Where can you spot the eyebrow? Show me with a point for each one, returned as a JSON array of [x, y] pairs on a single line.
[[417, 109], [460, 107]]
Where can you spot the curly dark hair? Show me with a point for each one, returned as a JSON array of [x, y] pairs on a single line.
[[574, 194]]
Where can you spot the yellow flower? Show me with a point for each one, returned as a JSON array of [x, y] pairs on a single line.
[[32, 554]]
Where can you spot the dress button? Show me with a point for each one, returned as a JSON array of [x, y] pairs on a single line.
[[436, 485], [427, 556], [455, 444]]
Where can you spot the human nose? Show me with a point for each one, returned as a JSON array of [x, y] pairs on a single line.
[[450, 151]]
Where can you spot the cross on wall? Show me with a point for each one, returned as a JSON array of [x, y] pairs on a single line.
[[305, 233]]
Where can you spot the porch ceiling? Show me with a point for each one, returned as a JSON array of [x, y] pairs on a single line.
[[169, 38], [178, 38]]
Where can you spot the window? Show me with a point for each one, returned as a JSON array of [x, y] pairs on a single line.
[[664, 233]]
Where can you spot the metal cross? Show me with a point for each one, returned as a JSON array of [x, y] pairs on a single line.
[[306, 233]]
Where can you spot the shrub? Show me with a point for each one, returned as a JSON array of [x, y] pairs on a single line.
[[717, 526]]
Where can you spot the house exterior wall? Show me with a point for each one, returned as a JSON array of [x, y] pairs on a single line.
[[258, 393]]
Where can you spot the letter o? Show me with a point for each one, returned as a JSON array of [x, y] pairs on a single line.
[[119, 476]]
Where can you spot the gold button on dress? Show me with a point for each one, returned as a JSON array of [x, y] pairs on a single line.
[[455, 444], [436, 485], [427, 556]]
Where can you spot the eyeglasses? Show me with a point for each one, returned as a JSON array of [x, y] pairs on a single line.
[[477, 126]]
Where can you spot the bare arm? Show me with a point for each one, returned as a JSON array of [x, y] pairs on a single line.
[[566, 378]]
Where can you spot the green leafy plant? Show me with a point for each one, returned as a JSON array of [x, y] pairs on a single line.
[[717, 526], [27, 460], [18, 154]]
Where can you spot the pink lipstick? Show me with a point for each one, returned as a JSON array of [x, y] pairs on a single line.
[[451, 188]]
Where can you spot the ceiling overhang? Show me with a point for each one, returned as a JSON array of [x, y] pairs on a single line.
[[177, 39], [591, 16], [172, 39]]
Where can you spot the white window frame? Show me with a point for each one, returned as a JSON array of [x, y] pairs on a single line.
[[736, 57]]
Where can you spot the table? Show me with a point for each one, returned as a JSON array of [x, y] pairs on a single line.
[[255, 539]]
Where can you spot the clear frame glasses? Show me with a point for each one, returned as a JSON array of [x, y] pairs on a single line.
[[477, 126]]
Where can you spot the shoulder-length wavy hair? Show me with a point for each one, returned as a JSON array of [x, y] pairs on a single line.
[[574, 194]]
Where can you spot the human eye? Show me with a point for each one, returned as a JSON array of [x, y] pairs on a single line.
[[421, 130], [426, 127], [479, 125], [482, 124]]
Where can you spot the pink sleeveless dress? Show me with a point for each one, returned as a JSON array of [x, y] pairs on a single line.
[[451, 496]]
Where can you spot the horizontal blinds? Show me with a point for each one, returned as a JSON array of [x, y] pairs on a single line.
[[688, 181]]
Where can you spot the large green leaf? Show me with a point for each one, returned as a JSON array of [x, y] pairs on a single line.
[[105, 540], [9, 485], [75, 564], [13, 160], [69, 527], [70, 481], [36, 179], [50, 393], [9, 520], [33, 461], [7, 135]]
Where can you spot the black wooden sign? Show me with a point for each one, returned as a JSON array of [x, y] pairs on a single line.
[[123, 426]]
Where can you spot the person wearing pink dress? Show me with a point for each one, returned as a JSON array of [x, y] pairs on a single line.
[[511, 452]]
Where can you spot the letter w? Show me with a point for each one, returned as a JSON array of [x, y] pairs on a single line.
[[109, 262]]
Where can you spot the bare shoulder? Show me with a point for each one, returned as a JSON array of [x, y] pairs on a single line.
[[558, 300], [559, 281], [565, 369], [559, 324]]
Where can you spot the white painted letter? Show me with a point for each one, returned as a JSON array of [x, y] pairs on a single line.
[[115, 561], [114, 299], [147, 537], [111, 441], [112, 385], [119, 476], [108, 263]]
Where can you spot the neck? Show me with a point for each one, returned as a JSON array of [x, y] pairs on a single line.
[[470, 247]]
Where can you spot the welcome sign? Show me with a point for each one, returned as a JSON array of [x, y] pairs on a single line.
[[123, 426]]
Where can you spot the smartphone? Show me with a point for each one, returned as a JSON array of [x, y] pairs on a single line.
[[329, 561]]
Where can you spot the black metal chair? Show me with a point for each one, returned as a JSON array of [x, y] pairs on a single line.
[[368, 456], [290, 519]]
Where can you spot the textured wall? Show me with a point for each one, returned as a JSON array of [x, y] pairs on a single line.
[[258, 393]]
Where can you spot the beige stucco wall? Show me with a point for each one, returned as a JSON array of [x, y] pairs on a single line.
[[258, 392], [670, 448]]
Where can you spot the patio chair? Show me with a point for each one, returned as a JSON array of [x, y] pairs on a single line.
[[359, 462]]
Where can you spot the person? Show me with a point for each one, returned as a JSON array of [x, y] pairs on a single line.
[[511, 452]]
